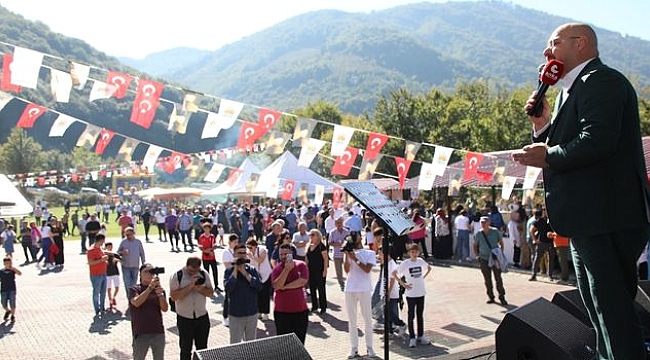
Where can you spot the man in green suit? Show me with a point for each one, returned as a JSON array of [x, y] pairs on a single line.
[[595, 184]]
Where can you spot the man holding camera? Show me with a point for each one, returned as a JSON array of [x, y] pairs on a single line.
[[288, 278], [242, 282], [147, 302], [358, 263], [189, 289]]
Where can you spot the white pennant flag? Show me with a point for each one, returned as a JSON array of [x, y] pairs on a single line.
[[89, 136], [25, 67], [441, 159], [427, 176], [340, 139], [508, 186], [214, 173], [229, 112], [94, 175], [79, 74], [310, 148], [319, 194], [101, 90], [4, 99], [211, 128], [61, 84], [531, 177], [272, 189], [61, 125], [151, 156]]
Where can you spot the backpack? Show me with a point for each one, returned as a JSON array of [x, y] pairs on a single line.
[[179, 276]]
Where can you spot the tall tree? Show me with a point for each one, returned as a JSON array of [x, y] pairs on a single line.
[[21, 153]]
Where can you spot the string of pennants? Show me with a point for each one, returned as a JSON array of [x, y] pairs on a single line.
[[21, 69]]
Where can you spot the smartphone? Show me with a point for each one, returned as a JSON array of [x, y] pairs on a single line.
[[289, 257]]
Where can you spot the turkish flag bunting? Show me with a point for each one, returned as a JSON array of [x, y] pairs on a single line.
[[5, 81], [484, 176], [173, 162], [403, 166], [344, 162], [266, 120], [336, 196], [287, 190], [233, 176], [121, 80], [31, 113], [472, 161], [105, 136], [248, 134], [146, 102], [375, 143]]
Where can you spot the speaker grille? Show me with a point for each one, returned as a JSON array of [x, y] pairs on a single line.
[[279, 347]]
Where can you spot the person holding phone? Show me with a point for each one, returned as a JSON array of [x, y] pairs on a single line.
[[289, 276]]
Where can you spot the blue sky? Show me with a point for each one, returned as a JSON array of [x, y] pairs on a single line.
[[217, 23]]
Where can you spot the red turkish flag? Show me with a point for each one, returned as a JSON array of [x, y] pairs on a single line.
[[121, 80], [173, 162], [336, 196], [375, 143], [248, 134], [287, 190], [344, 162], [266, 120], [31, 113], [472, 161], [484, 176], [105, 137], [146, 102], [233, 176], [5, 81], [403, 166]]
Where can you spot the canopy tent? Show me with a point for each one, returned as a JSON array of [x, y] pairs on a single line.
[[12, 202], [286, 167], [248, 168], [157, 193]]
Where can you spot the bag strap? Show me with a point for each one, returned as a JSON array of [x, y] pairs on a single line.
[[486, 240]]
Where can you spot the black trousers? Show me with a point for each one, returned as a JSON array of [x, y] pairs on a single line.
[[317, 292], [192, 331], [147, 226], [287, 323], [415, 309], [264, 298], [212, 264]]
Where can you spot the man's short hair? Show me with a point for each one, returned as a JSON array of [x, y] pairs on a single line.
[[414, 247], [193, 261], [108, 243], [240, 246], [251, 242], [6, 259], [233, 237], [101, 237], [285, 246]]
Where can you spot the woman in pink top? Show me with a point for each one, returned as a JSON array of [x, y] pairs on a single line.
[[417, 236]]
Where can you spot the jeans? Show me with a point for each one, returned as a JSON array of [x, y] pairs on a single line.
[[83, 241], [338, 268], [187, 234], [462, 245], [143, 342], [192, 331], [540, 249], [351, 300], [415, 308], [394, 312], [45, 245], [99, 291], [287, 323], [130, 276]]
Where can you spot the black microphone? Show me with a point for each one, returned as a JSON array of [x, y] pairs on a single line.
[[549, 76]]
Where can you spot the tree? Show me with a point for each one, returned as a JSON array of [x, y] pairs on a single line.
[[21, 154], [84, 158], [57, 160]]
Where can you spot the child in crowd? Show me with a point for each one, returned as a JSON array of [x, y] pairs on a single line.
[[414, 270], [112, 274], [8, 239], [220, 232], [8, 289]]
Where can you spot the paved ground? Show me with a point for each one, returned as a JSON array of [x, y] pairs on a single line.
[[55, 314]]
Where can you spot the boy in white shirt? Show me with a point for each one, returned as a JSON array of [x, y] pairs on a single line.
[[414, 270]]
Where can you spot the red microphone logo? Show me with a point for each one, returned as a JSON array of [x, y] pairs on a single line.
[[552, 72]]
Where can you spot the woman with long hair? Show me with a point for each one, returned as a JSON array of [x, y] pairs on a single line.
[[317, 262], [57, 238]]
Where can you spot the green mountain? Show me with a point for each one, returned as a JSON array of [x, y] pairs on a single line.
[[350, 58]]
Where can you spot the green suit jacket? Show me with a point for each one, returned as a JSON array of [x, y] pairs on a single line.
[[596, 181]]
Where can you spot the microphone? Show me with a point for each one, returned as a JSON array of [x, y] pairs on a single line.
[[549, 76]]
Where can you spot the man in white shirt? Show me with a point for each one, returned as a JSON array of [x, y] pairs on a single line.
[[515, 236], [358, 289], [461, 224], [300, 240]]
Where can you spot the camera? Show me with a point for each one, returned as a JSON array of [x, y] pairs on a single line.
[[200, 280], [349, 245], [157, 271], [242, 261]]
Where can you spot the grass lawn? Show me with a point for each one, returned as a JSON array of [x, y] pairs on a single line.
[[112, 229]]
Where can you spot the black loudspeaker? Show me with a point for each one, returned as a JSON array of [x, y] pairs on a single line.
[[540, 330], [279, 347], [571, 302]]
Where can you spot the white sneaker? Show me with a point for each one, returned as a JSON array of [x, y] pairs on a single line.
[[265, 317], [354, 354], [226, 322], [371, 352], [424, 340], [412, 343]]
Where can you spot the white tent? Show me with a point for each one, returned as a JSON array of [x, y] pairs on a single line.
[[239, 186], [11, 195], [286, 168]]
